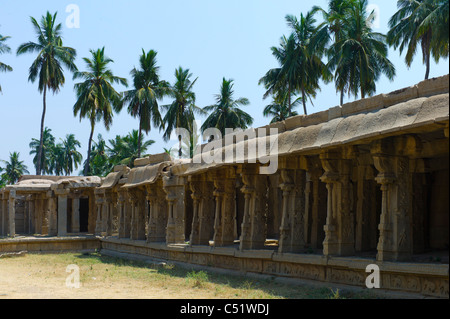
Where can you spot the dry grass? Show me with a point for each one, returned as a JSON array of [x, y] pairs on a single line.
[[101, 277]]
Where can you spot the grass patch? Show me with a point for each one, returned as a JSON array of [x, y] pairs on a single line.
[[108, 277]]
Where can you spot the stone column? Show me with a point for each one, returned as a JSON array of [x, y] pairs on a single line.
[[174, 189], [52, 214], [62, 211], [196, 189], [5, 215], [99, 205], [225, 218], [254, 225], [123, 225], [137, 199], [395, 242], [315, 205], [339, 228], [2, 216], [12, 213], [75, 214]]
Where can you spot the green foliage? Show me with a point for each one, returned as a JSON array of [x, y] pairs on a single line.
[[4, 48], [57, 158], [227, 113], [47, 67], [421, 23], [13, 170], [96, 96]]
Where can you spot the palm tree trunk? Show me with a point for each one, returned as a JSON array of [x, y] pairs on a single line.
[[41, 143], [427, 73], [342, 97], [139, 140], [289, 101], [88, 160], [304, 101], [180, 151]]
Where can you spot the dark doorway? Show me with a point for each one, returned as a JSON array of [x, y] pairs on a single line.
[[84, 215]]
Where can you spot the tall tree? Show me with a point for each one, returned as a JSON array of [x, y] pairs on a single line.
[[124, 150], [14, 169], [4, 48], [420, 22], [181, 112], [47, 67], [360, 56], [142, 100], [279, 109], [331, 30], [96, 96], [72, 158], [46, 163], [300, 59], [227, 113]]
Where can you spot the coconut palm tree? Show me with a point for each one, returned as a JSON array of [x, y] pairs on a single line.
[[227, 113], [4, 48], [360, 56], [279, 108], [96, 96], [424, 23], [331, 30], [47, 67], [181, 112], [14, 169], [142, 101], [300, 59], [72, 158], [47, 152], [124, 150], [99, 163]]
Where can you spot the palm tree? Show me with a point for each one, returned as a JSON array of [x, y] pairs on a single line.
[[143, 99], [332, 30], [4, 48], [301, 67], [72, 158], [360, 56], [57, 160], [46, 164], [99, 163], [124, 150], [227, 113], [14, 169], [279, 108], [48, 65], [96, 97], [181, 112], [423, 22]]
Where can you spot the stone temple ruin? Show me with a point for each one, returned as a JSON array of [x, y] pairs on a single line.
[[365, 183]]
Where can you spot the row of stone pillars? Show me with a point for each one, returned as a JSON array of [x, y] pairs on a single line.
[[44, 213]]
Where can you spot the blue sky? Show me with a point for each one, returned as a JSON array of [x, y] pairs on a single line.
[[214, 39]]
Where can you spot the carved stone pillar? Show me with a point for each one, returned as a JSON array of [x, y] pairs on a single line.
[[137, 201], [157, 222], [99, 205], [395, 242], [196, 189], [292, 229], [2, 216], [339, 228], [225, 218], [175, 192], [124, 226], [315, 203], [254, 225]]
